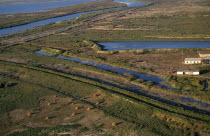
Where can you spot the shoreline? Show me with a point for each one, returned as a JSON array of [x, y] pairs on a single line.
[[64, 11], [25, 1]]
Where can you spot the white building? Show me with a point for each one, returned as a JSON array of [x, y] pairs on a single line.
[[204, 54], [188, 72], [193, 60]]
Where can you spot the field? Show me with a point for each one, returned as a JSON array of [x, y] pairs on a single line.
[[45, 95], [146, 23], [182, 22], [58, 81]]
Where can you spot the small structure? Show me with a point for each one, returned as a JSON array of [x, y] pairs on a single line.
[[193, 60], [188, 72], [206, 60], [4, 84], [204, 54]]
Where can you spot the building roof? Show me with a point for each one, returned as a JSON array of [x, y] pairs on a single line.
[[204, 52], [188, 71], [193, 59]]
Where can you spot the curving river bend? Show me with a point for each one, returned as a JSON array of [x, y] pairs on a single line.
[[120, 45], [43, 6], [17, 29], [144, 76]]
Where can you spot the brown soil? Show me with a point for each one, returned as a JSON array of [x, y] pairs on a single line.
[[120, 27], [184, 37], [162, 63], [14, 59], [103, 77], [59, 112]]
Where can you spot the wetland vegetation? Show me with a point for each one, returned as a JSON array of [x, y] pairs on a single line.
[[48, 95], [25, 18]]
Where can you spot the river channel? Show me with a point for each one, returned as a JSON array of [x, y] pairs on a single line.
[[143, 76], [121, 46], [109, 67], [43, 6]]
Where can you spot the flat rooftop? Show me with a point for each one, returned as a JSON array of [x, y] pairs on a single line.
[[193, 59], [204, 52], [188, 71]]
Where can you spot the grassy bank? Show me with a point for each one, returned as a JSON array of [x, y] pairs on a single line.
[[112, 89], [154, 23], [78, 81], [130, 107], [193, 86], [25, 18]]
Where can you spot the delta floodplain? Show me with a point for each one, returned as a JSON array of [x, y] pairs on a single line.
[[57, 79]]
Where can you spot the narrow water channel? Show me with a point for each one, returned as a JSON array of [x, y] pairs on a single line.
[[22, 28], [110, 68], [139, 75]]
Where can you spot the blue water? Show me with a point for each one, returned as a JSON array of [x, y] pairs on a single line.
[[130, 3], [109, 67], [191, 100], [116, 69], [128, 45], [36, 8], [21, 28], [43, 53], [121, 71]]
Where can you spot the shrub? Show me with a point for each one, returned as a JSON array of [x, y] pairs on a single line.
[[83, 129], [113, 124], [73, 114]]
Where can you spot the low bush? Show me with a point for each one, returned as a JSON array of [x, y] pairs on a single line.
[[186, 83]]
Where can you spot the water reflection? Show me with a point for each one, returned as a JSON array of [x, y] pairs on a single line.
[[128, 45]]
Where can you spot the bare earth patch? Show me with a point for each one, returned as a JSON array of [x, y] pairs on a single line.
[[55, 110], [14, 59]]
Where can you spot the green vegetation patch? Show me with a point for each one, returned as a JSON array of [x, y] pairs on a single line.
[[46, 131], [204, 3], [176, 27], [205, 70], [29, 85], [190, 86], [187, 83], [24, 18], [141, 115], [18, 96]]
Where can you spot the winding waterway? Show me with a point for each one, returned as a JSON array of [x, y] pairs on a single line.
[[138, 74], [108, 46], [37, 7], [109, 67], [22, 28]]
